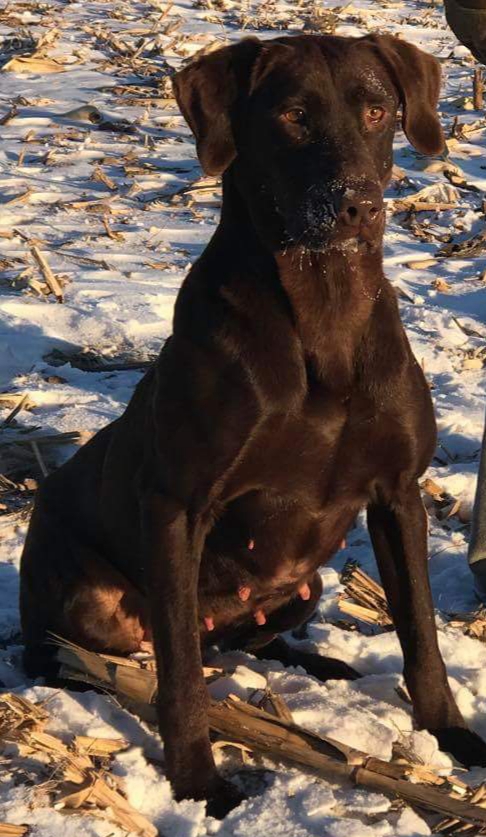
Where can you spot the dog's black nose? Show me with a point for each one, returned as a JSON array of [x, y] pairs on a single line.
[[357, 209]]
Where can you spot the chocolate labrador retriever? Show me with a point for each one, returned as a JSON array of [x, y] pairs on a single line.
[[286, 400]]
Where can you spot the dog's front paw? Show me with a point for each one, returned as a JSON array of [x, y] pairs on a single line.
[[464, 745], [222, 797]]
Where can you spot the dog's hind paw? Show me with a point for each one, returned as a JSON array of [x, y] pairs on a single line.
[[463, 744], [324, 668], [223, 797]]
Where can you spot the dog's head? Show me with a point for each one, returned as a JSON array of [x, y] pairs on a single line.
[[307, 123]]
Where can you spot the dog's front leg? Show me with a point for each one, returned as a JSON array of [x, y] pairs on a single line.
[[173, 546], [398, 532]]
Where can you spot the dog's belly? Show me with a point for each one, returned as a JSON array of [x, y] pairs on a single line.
[[270, 540], [268, 547], [261, 553]]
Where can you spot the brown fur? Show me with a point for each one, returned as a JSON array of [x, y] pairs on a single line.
[[286, 400]]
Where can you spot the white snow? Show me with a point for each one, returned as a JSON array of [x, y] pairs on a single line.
[[119, 295]]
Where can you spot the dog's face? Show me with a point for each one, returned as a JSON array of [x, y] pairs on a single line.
[[306, 124]]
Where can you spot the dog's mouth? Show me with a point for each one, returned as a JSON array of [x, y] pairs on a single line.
[[348, 240], [362, 233], [367, 237]]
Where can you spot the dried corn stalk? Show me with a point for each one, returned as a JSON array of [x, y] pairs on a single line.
[[71, 437], [18, 714], [74, 780], [100, 747], [363, 598], [439, 196], [471, 624], [279, 738], [452, 825], [441, 504], [35, 64], [50, 278], [469, 247]]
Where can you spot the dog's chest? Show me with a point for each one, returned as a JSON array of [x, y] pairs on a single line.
[[302, 454]]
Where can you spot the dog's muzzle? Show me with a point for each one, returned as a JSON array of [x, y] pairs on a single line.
[[353, 213]]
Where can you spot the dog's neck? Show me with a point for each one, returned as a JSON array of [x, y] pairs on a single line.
[[332, 293]]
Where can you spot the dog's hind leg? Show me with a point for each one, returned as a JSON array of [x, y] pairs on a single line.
[[68, 588], [323, 668]]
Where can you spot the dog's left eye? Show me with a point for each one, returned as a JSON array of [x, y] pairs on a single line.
[[296, 116], [375, 114]]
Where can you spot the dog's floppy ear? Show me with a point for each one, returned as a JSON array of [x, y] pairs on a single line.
[[417, 78], [206, 92]]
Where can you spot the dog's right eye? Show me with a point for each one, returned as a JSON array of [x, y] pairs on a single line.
[[296, 116]]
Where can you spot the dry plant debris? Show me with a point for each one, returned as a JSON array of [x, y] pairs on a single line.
[[25, 456], [442, 505], [32, 54], [91, 360], [439, 196], [363, 598], [67, 774], [472, 246], [275, 735], [365, 601], [50, 279], [471, 624]]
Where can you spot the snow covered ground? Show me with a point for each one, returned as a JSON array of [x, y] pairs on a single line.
[[103, 193]]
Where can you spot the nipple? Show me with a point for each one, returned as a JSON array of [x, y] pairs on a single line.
[[305, 592], [209, 622]]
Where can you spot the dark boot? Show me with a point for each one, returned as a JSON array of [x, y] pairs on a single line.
[[477, 544], [467, 19]]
